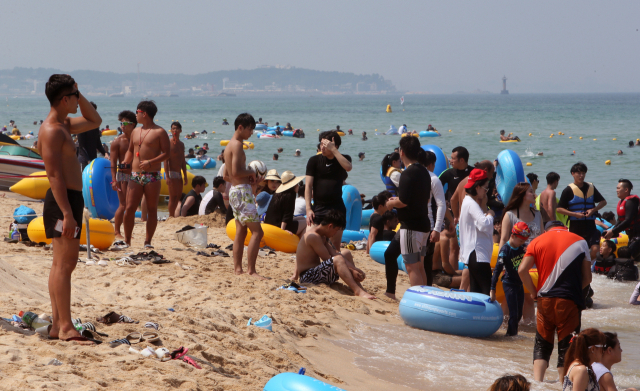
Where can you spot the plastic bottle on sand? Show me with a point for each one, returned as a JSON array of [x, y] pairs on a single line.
[[33, 320]]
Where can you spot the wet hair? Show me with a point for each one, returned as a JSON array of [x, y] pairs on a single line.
[[579, 347], [462, 153], [631, 143], [611, 245], [579, 167], [388, 215], [626, 183], [198, 180], [130, 116], [336, 218], [377, 201], [360, 154], [502, 131], [410, 146], [149, 107], [387, 159], [611, 340], [275, 155], [176, 124], [329, 135], [608, 216], [511, 383], [624, 252], [57, 86], [246, 120], [207, 144], [552, 177], [429, 158], [473, 190], [95, 106], [191, 150], [301, 190], [517, 196], [217, 181], [532, 178]]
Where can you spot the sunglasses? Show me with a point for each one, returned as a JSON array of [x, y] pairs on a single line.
[[127, 123], [76, 93]]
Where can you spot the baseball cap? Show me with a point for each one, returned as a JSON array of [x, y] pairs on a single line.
[[521, 230], [475, 176]]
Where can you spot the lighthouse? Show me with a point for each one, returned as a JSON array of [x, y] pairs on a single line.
[[504, 86]]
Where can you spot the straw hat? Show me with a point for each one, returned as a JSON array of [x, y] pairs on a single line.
[[272, 175], [289, 180]]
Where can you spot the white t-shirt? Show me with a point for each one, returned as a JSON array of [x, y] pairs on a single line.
[[476, 232], [300, 208], [402, 129], [599, 370], [395, 178], [205, 201], [437, 193], [225, 195]]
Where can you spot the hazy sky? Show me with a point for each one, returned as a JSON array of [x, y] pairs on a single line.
[[435, 46]]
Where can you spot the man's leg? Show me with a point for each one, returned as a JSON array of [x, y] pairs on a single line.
[[238, 246], [143, 208], [151, 194], [341, 265], [417, 275], [253, 248], [175, 191], [391, 255], [134, 194], [122, 200]]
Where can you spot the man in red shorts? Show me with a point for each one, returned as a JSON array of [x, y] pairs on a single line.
[[564, 270]]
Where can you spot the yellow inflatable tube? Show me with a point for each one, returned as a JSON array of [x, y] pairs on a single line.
[[32, 187], [274, 237], [246, 144], [341, 134], [110, 132], [621, 241], [410, 134], [500, 290], [510, 141], [164, 189], [15, 137], [100, 232]]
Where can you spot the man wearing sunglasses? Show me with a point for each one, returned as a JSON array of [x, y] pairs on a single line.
[[120, 171], [64, 204]]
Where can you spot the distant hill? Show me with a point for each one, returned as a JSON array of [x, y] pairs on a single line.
[[265, 79]]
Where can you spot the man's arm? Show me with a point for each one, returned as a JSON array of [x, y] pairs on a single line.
[[317, 243], [90, 118], [128, 156], [188, 203], [308, 197], [456, 200], [184, 168], [586, 272], [438, 194], [113, 158], [346, 164], [237, 169], [372, 238], [523, 272]]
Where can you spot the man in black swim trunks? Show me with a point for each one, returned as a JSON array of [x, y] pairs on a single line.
[[63, 204], [324, 178]]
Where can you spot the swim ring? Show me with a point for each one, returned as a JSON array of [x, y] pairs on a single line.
[[98, 195], [366, 216], [274, 237], [35, 187], [426, 133], [341, 134], [295, 382], [164, 188], [246, 144], [376, 252], [15, 137], [100, 233], [442, 163], [353, 203], [288, 133], [500, 290], [110, 132], [199, 164], [261, 127], [510, 141], [410, 134], [266, 135], [348, 236], [274, 128], [508, 173], [621, 241], [450, 312]]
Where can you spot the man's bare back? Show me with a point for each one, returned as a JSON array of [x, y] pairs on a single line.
[[548, 204], [306, 256]]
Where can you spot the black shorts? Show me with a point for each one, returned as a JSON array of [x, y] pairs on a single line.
[[319, 211], [292, 227], [51, 212]]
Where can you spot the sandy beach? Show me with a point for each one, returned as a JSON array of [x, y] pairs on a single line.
[[212, 306]]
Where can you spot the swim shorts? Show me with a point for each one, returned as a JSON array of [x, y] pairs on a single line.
[[145, 177], [122, 177], [174, 175], [413, 245], [324, 273], [243, 203], [554, 315], [51, 212], [442, 279]]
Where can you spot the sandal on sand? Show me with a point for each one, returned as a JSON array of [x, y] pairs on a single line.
[[202, 253], [150, 336], [220, 253], [127, 261], [163, 354], [189, 360], [148, 246], [152, 325], [213, 246], [89, 335], [178, 353], [81, 339], [113, 317], [44, 331], [160, 261]]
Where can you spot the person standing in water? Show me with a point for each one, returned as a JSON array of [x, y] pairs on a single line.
[[548, 200], [121, 177], [628, 217], [175, 169], [148, 148], [64, 204]]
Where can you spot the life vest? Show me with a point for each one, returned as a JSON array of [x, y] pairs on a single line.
[[622, 212], [391, 187], [582, 202]]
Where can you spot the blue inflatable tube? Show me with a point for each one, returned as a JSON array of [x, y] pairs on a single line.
[[196, 164], [353, 203], [356, 236], [273, 128], [294, 382], [450, 312], [508, 174], [442, 163], [288, 133], [261, 127], [601, 229], [99, 197], [366, 216], [426, 133], [376, 252]]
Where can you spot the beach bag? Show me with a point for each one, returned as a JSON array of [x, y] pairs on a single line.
[[193, 236], [23, 216], [623, 270]]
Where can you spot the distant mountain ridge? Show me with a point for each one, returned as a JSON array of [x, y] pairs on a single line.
[[274, 79]]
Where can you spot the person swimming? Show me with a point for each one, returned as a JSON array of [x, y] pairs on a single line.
[[507, 138]]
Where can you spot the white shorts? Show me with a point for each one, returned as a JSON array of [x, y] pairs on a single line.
[[413, 245]]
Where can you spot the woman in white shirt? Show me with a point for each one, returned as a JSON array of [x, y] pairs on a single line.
[[476, 232]]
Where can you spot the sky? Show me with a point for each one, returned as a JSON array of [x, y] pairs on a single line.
[[428, 46]]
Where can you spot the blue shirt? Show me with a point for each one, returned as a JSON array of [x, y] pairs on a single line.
[[509, 259]]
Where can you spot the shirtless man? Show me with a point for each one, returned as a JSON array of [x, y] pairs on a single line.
[[241, 195], [318, 262], [119, 148], [507, 138], [175, 168], [148, 148], [63, 204], [548, 200]]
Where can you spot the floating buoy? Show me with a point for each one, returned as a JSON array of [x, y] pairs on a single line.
[[570, 137], [318, 130], [580, 137], [449, 129], [388, 108], [608, 162], [595, 139], [194, 120], [614, 139], [529, 134], [478, 133], [529, 164], [376, 130], [551, 136]]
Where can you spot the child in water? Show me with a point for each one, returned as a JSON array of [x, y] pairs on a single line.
[[509, 259]]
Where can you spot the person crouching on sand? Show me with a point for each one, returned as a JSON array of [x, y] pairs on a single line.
[[318, 262]]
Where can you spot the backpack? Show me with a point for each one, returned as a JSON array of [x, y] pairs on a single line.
[[623, 270]]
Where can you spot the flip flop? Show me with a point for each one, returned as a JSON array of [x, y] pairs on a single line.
[[150, 336], [213, 246], [178, 353], [202, 253], [113, 317], [81, 339], [160, 261], [148, 246], [163, 354], [117, 342], [44, 331], [152, 325], [191, 361], [89, 335]]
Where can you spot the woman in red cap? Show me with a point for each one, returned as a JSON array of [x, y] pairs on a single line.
[[476, 232]]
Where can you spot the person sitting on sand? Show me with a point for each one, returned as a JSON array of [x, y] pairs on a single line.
[[202, 156], [376, 224], [318, 262], [507, 138], [390, 220], [190, 204], [214, 199]]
